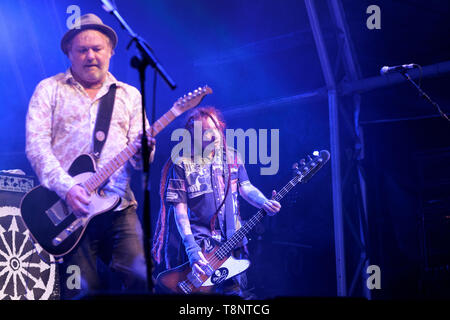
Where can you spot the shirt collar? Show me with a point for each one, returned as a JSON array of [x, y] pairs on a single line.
[[109, 80]]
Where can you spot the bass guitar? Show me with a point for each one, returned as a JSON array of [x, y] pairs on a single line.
[[221, 264]]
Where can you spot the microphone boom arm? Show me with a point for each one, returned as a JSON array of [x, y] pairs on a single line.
[[144, 49]]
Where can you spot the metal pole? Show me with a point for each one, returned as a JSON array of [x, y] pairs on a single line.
[[337, 193], [344, 88], [334, 146], [352, 71], [388, 80]]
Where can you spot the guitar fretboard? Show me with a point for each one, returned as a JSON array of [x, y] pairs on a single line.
[[302, 175], [237, 237], [102, 174]]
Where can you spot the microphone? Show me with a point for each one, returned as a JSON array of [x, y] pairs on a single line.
[[107, 6], [403, 67]]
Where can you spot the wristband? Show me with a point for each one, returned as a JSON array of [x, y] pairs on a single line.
[[192, 248]]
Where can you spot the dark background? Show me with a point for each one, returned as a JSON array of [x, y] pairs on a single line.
[[258, 56]]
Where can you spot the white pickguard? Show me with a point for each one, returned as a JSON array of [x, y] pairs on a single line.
[[227, 270], [98, 204]]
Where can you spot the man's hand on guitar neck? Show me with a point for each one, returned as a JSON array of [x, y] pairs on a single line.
[[78, 199], [151, 147], [257, 199], [272, 206]]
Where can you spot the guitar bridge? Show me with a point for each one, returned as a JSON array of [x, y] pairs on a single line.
[[184, 287], [63, 235], [208, 270]]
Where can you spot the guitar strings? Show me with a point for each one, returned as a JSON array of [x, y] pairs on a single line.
[[232, 242], [229, 245]]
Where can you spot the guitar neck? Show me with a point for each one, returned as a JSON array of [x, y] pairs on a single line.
[[102, 174], [162, 122], [237, 237]]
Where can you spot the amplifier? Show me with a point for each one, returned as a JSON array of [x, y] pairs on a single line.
[[26, 271]]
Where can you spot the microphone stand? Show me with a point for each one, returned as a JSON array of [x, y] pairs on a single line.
[[423, 94], [141, 63]]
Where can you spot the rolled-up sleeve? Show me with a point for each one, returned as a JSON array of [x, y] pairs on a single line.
[[176, 185]]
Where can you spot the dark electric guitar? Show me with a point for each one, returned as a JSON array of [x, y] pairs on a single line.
[[50, 221], [221, 264]]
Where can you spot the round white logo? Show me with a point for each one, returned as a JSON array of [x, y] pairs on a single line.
[[23, 274]]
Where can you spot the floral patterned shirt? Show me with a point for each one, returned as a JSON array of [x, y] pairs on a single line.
[[59, 127]]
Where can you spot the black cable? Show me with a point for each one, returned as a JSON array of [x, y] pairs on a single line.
[[423, 94]]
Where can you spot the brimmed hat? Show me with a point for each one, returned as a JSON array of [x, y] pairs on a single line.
[[88, 21]]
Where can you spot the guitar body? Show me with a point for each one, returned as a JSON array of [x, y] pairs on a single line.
[[49, 219], [182, 280]]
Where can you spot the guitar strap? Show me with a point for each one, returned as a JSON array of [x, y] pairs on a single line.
[[103, 120], [230, 226], [228, 202]]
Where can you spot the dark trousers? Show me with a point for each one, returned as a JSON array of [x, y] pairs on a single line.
[[114, 239]]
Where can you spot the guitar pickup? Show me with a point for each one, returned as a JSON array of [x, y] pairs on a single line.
[[208, 270], [195, 277]]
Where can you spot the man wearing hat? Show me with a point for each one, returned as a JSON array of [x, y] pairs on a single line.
[[60, 126]]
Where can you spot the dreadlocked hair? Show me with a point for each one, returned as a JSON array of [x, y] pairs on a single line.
[[204, 113], [161, 225]]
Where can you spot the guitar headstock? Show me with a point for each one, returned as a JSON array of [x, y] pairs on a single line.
[[190, 100], [304, 170]]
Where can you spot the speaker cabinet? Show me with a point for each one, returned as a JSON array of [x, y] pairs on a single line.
[[26, 272]]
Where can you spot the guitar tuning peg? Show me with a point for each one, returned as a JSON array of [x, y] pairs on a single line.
[[309, 157], [302, 162], [295, 169]]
